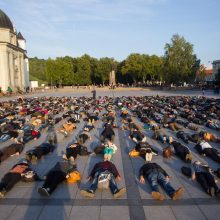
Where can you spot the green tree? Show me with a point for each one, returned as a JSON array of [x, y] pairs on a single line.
[[82, 75], [134, 66], [103, 69], [37, 68], [179, 61]]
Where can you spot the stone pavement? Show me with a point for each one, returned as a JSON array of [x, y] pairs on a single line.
[[23, 201]]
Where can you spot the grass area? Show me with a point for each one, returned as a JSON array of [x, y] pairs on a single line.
[[33, 78]]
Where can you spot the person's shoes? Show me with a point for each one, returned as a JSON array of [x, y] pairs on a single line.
[[65, 134], [148, 157], [178, 193], [2, 193], [119, 192], [157, 196], [212, 191], [28, 157], [87, 193], [189, 157], [43, 192], [71, 159], [34, 159], [65, 157]]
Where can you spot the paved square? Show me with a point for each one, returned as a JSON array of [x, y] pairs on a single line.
[[23, 201]]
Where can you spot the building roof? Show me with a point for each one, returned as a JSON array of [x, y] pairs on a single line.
[[216, 62], [5, 21], [20, 37], [209, 72]]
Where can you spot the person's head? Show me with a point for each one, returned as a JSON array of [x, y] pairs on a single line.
[[73, 145], [24, 162], [197, 162]]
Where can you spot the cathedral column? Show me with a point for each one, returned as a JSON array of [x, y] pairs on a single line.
[[11, 66], [21, 72], [9, 70]]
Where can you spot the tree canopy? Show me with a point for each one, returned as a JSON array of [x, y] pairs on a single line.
[[179, 64]]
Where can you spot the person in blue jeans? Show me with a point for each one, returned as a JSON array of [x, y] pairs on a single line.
[[5, 137], [156, 176], [109, 169]]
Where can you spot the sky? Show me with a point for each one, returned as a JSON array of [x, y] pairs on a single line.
[[115, 28]]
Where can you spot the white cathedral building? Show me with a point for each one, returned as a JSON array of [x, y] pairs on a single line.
[[14, 69]]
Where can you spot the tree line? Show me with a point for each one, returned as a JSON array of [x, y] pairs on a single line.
[[178, 64]]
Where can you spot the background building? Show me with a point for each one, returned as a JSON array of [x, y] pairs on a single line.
[[216, 67], [14, 70]]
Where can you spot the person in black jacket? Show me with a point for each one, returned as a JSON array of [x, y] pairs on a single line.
[[55, 176], [182, 152], [155, 175], [13, 149], [37, 152], [204, 176], [99, 168], [75, 149], [137, 136], [108, 133], [206, 149]]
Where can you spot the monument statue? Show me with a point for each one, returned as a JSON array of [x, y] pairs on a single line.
[[112, 82]]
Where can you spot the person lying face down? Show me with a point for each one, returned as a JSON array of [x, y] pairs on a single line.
[[36, 153], [182, 151], [206, 149], [13, 149], [204, 176], [75, 149], [104, 171], [55, 176], [137, 136], [156, 176], [107, 133]]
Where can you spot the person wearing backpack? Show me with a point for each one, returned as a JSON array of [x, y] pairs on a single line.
[[109, 173], [73, 150], [15, 174], [203, 174]]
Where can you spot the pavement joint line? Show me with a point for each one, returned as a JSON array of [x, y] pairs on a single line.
[[136, 210], [109, 202]]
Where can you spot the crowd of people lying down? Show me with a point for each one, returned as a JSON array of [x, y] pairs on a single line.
[[177, 123]]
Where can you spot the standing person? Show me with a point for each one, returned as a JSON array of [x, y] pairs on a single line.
[[9, 90], [94, 93], [156, 175]]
